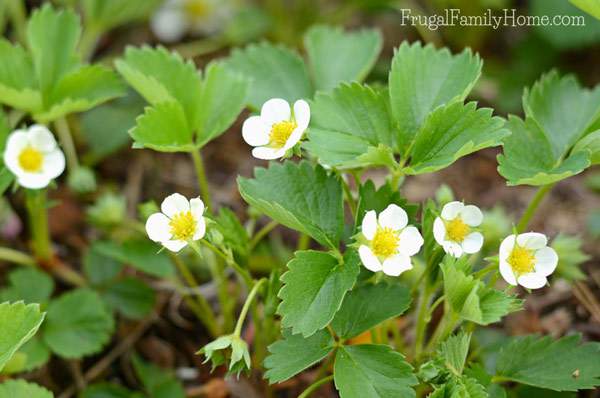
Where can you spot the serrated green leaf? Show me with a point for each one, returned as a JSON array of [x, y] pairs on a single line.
[[158, 383], [371, 198], [560, 365], [314, 288], [18, 322], [473, 300], [141, 254], [52, 36], [592, 7], [374, 371], [131, 297], [451, 132], [337, 56], [590, 143], [163, 128], [346, 122], [299, 196], [234, 234], [454, 352], [294, 353], [273, 71], [563, 110], [460, 387], [107, 14], [527, 156], [18, 86], [34, 353], [223, 96], [423, 78], [29, 285], [367, 306], [23, 389], [78, 324]]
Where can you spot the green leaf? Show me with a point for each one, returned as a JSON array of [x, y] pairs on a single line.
[[336, 56], [108, 390], [528, 156], [423, 78], [591, 144], [235, 236], [294, 353], [273, 71], [460, 387], [140, 254], [157, 382], [592, 7], [29, 285], [346, 122], [451, 132], [18, 322], [563, 110], [299, 196], [454, 352], [18, 86], [374, 371], [131, 297], [78, 324], [570, 257], [472, 300], [99, 268], [560, 365], [370, 198], [52, 36], [314, 288], [6, 179], [162, 76], [22, 389], [107, 14], [367, 306], [163, 128], [223, 96], [33, 355]]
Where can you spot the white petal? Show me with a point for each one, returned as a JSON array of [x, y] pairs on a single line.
[[174, 204], [275, 110], [157, 227], [16, 141], [33, 180], [393, 217], [472, 243], [169, 24], [200, 228], [471, 215], [54, 163], [369, 259], [174, 245], [410, 241], [302, 114], [439, 231], [197, 207], [255, 132], [452, 248], [41, 138], [369, 225], [451, 210], [532, 240], [507, 273], [294, 138], [532, 280], [396, 265], [546, 261], [266, 153], [506, 247], [11, 160]]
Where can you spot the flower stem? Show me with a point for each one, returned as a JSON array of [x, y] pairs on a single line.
[[314, 386], [35, 201], [89, 40], [246, 307], [264, 231], [16, 257], [349, 196], [532, 207], [202, 181], [66, 141], [242, 272]]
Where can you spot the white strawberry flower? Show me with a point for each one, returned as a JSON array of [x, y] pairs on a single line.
[[525, 259], [179, 222], [391, 242], [454, 229], [277, 129], [34, 157]]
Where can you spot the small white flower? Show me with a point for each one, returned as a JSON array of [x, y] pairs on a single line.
[[177, 17], [33, 156], [453, 230], [526, 260], [276, 130], [391, 242], [179, 222]]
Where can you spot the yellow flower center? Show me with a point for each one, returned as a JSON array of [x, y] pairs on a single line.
[[183, 225], [280, 132], [385, 242], [30, 159], [457, 230], [197, 8], [521, 260]]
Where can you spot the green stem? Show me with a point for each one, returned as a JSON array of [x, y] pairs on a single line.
[[532, 207], [66, 141], [349, 196], [444, 328], [264, 231], [484, 271], [242, 272], [16, 257], [422, 320], [246, 307], [200, 47], [314, 386], [38, 223], [303, 242], [202, 181], [18, 16], [89, 41]]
